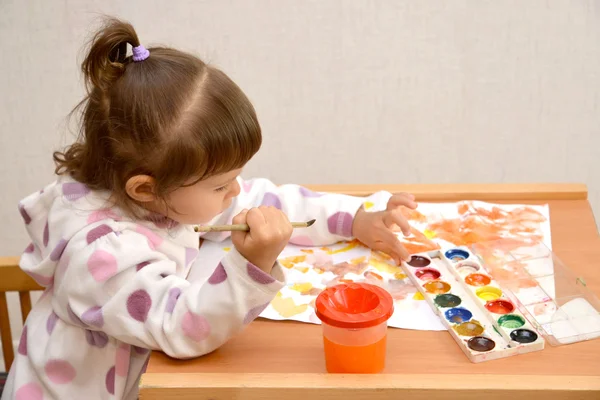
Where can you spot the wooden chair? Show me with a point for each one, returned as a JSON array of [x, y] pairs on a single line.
[[13, 279]]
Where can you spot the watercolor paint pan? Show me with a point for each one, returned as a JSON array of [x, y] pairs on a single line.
[[553, 299], [473, 327]]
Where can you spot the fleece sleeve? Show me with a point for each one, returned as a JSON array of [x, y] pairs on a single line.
[[120, 286], [334, 213]]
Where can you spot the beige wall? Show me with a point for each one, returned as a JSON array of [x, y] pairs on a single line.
[[460, 91]]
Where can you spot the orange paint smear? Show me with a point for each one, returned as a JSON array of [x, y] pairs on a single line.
[[290, 262], [413, 215], [417, 242], [477, 224], [516, 228], [371, 274]]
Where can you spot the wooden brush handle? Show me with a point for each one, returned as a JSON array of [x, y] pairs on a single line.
[[243, 227]]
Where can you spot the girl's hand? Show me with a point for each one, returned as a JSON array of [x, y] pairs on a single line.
[[270, 231], [377, 229]]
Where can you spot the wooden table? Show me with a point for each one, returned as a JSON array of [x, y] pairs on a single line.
[[284, 360]]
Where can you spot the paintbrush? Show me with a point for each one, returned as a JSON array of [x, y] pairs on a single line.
[[244, 227]]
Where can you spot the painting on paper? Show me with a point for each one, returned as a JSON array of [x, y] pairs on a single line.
[[434, 225]]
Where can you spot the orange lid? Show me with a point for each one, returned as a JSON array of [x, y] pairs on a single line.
[[354, 305]]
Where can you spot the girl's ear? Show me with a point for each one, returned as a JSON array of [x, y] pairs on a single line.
[[141, 188]]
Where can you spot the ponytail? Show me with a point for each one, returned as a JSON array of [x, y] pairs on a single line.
[[86, 160], [107, 57]]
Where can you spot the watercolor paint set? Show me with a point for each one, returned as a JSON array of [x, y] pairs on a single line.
[[505, 298]]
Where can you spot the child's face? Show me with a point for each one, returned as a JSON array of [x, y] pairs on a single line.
[[204, 200]]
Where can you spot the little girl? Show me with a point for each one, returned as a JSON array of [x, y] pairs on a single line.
[[163, 141]]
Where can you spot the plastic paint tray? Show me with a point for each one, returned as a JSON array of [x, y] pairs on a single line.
[[555, 301]]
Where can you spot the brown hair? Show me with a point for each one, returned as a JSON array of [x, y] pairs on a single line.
[[171, 117]]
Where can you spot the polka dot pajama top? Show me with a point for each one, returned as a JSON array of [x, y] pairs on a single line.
[[115, 288]]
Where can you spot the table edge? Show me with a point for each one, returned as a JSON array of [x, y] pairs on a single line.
[[466, 191], [395, 382]]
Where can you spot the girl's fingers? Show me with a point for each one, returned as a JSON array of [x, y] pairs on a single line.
[[395, 217], [402, 199]]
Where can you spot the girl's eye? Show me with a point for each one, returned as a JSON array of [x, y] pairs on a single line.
[[222, 188]]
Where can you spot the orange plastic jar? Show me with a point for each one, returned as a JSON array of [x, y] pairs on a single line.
[[354, 318]]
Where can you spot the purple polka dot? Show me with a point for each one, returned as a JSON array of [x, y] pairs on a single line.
[[190, 255], [254, 313], [302, 241], [140, 350], [138, 305], [247, 185], [60, 371], [271, 199], [309, 193], [51, 322], [98, 232], [174, 294], [30, 249], [110, 380], [58, 250], [96, 338], [141, 265], [258, 275], [74, 190], [24, 214], [102, 265], [29, 391], [23, 342], [195, 326], [93, 317], [41, 279], [46, 235], [218, 276], [340, 223]]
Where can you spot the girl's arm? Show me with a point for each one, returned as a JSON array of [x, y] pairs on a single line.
[[119, 286], [334, 213]]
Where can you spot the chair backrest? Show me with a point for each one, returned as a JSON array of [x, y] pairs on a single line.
[[13, 279]]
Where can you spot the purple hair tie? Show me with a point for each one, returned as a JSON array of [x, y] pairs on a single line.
[[140, 53]]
